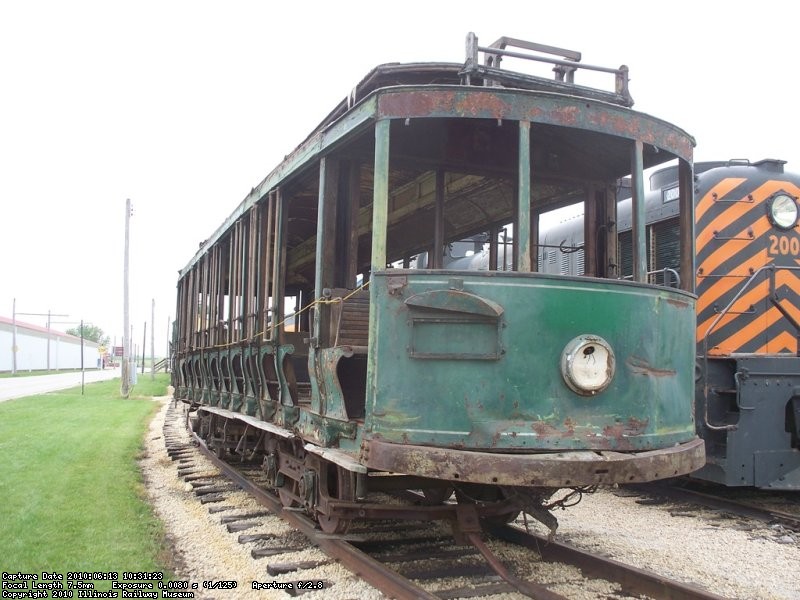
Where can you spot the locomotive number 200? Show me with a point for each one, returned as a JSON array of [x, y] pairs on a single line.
[[784, 245]]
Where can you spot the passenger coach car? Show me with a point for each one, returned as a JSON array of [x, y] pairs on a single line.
[[312, 335]]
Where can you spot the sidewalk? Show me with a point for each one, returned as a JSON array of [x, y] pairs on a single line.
[[19, 387]]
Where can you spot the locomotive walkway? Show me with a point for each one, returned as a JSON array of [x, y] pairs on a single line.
[[19, 387]]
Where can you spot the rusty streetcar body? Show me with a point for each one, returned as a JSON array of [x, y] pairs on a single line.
[[313, 333]]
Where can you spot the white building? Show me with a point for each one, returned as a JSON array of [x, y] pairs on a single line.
[[32, 345]]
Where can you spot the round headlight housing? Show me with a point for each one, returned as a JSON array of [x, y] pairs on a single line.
[[783, 211], [588, 364]]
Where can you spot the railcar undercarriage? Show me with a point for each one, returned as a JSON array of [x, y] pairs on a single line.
[[336, 496]]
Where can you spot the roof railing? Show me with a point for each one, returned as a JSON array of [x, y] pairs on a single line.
[[565, 64]]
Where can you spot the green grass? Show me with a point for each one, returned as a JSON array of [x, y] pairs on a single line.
[[70, 488]]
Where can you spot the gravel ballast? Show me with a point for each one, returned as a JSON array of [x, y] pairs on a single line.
[[732, 558]]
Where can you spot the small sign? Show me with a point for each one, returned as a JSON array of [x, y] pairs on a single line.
[[670, 194], [118, 350]]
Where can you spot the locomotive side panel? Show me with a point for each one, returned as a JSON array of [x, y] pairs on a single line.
[[736, 238]]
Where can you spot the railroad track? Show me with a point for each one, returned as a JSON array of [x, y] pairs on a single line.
[[755, 506], [404, 559]]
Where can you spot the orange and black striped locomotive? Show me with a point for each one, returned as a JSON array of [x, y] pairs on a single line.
[[747, 266], [748, 324]]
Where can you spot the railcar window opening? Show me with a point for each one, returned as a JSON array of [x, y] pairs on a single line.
[[198, 374], [226, 375], [216, 380], [271, 385], [253, 376], [238, 374]]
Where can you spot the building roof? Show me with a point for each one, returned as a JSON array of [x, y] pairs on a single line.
[[36, 328]]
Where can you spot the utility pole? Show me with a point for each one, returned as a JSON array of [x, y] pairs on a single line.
[[169, 337], [48, 340], [144, 344], [153, 340], [14, 338], [82, 372], [49, 316], [124, 390], [49, 322]]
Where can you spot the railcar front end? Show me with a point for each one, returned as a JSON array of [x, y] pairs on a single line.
[[531, 380]]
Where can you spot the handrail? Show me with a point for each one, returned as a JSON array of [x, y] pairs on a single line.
[[773, 298], [665, 270], [564, 67]]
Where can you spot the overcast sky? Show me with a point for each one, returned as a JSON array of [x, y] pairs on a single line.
[[184, 106]]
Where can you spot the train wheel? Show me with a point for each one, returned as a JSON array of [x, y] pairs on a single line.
[[287, 494], [340, 485], [219, 451], [288, 466], [437, 495]]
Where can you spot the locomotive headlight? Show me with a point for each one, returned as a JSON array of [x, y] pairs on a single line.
[[783, 211], [587, 364]]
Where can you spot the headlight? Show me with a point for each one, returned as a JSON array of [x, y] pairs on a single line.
[[783, 211], [587, 364]]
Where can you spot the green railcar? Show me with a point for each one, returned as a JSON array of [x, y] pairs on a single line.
[[319, 331]]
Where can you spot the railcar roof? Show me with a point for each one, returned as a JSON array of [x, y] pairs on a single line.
[[361, 107], [432, 73]]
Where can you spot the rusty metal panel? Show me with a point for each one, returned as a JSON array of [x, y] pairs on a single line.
[[519, 398], [560, 469], [537, 107]]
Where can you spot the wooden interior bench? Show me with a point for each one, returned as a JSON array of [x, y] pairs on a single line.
[[350, 320]]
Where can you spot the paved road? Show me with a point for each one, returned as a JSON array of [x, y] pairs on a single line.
[[18, 387]]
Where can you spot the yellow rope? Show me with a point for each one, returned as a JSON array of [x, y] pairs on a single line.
[[288, 318]]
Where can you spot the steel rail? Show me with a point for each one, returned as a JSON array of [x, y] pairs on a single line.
[[632, 579], [394, 585], [370, 570], [737, 507]]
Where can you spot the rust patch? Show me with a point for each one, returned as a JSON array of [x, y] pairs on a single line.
[[617, 430], [568, 116], [637, 426], [547, 469], [617, 123], [471, 103], [621, 431], [682, 304], [640, 366], [544, 429], [396, 284], [480, 105]]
